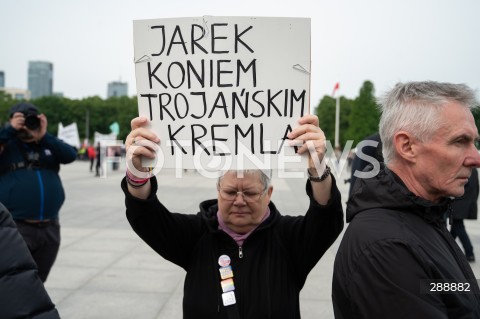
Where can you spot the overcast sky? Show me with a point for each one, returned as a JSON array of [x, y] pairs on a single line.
[[90, 42]]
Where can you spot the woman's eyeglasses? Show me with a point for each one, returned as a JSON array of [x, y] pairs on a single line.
[[230, 194]]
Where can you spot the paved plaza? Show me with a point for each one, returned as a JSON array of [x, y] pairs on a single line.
[[104, 270]]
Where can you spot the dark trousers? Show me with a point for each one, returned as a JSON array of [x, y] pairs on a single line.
[[43, 241], [458, 229], [97, 168]]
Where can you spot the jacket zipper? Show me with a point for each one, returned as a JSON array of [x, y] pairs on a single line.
[[240, 252], [42, 196]]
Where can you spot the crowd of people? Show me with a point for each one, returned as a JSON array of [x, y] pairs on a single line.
[[413, 183], [98, 155]]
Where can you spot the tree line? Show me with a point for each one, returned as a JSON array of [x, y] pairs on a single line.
[[359, 117], [101, 113]]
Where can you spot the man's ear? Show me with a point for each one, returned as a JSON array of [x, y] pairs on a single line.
[[269, 192], [405, 146]]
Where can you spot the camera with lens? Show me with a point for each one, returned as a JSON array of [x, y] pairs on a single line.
[[32, 122]]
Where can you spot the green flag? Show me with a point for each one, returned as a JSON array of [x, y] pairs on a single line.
[[115, 128]]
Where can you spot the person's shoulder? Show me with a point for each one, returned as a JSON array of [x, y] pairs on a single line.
[[376, 224], [375, 232], [374, 137]]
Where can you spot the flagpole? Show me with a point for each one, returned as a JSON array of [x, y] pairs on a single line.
[[337, 124], [87, 124], [337, 117]]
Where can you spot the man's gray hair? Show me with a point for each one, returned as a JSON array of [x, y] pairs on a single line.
[[415, 107], [264, 174]]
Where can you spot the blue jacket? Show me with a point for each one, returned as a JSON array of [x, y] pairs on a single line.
[[33, 192]]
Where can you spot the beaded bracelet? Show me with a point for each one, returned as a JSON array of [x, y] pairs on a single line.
[[324, 176], [324, 168]]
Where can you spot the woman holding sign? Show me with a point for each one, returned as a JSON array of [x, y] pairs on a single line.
[[242, 257]]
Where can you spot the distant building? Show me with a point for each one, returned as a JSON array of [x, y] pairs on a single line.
[[2, 79], [40, 78], [117, 89], [17, 94]]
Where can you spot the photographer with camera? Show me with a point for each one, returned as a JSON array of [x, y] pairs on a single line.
[[30, 186]]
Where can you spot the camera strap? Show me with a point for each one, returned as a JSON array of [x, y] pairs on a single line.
[[31, 160]]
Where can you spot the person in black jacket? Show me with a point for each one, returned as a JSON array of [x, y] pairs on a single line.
[[465, 207], [242, 257], [369, 152], [30, 184], [22, 294], [397, 258], [98, 165]]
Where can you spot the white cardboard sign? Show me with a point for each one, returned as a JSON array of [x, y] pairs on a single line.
[[223, 92], [69, 134]]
